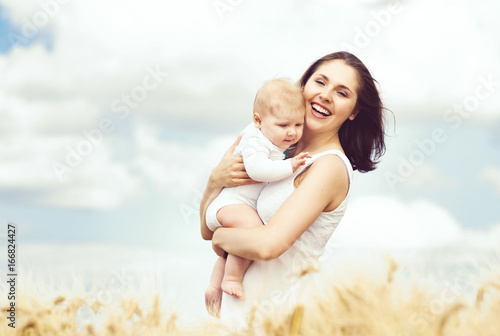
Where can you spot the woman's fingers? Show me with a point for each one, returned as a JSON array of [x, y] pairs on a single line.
[[238, 173], [230, 172], [241, 181], [238, 161], [231, 149], [236, 143], [244, 181]]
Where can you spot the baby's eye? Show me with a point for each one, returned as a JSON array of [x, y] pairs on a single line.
[[298, 125], [282, 125]]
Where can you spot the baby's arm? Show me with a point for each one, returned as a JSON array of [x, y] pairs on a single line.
[[261, 168]]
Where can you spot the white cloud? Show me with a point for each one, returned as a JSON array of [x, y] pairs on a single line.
[[101, 50], [91, 180], [428, 175], [491, 175], [388, 223], [111, 42], [422, 68], [97, 183], [482, 239], [167, 164], [47, 117]]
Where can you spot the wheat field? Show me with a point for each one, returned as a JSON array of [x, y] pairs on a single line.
[[359, 305]]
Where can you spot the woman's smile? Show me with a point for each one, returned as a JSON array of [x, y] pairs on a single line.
[[320, 111]]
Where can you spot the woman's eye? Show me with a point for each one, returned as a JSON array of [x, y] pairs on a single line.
[[342, 93], [319, 82]]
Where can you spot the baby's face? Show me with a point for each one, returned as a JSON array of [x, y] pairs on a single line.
[[283, 129]]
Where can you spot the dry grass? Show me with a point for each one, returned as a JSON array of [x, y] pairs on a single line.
[[361, 306]]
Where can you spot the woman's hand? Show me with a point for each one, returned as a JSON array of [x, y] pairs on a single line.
[[230, 172]]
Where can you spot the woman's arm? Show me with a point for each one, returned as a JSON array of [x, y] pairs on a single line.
[[230, 172], [323, 188]]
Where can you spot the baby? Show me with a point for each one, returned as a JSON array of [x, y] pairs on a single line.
[[278, 119]]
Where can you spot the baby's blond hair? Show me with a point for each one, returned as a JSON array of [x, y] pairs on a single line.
[[278, 94]]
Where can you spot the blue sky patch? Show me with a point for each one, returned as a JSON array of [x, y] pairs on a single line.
[[22, 36]]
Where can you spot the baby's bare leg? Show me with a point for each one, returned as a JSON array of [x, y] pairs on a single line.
[[236, 215], [233, 276], [213, 293]]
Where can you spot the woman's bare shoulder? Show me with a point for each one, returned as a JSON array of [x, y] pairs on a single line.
[[330, 170]]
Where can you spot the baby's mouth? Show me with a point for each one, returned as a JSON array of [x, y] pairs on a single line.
[[321, 109]]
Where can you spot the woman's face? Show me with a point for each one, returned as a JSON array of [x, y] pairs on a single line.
[[330, 95]]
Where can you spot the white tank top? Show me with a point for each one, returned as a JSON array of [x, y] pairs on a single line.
[[314, 239]]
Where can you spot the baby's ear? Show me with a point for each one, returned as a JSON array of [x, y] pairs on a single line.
[[257, 121]]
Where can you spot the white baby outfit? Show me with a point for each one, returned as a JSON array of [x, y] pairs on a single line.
[[263, 162]]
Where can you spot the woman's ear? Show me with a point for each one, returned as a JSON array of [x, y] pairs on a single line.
[[353, 114], [257, 121]]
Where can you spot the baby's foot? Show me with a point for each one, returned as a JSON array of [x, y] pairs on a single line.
[[234, 288], [213, 298]]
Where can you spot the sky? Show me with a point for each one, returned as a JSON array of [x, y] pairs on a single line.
[[113, 113]]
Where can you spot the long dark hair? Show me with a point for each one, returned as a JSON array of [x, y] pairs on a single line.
[[363, 137]]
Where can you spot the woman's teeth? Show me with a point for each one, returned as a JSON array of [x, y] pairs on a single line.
[[321, 110]]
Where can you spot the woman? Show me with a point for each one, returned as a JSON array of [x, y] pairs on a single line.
[[343, 132]]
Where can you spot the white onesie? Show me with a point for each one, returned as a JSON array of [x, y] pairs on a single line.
[[263, 162]]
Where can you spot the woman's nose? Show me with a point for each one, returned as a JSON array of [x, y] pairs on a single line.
[[325, 95]]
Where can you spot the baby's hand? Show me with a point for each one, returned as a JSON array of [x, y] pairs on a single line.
[[299, 160]]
